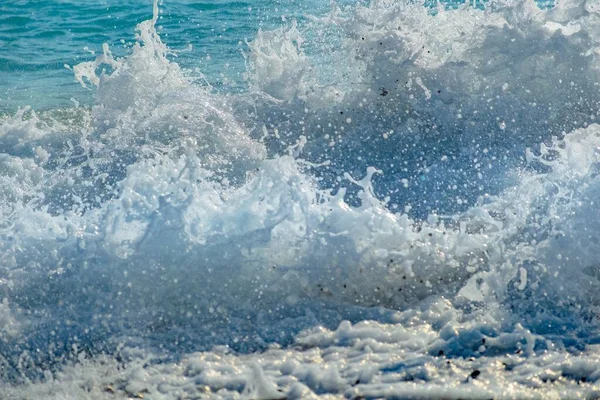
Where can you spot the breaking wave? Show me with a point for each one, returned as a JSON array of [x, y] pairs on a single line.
[[387, 162]]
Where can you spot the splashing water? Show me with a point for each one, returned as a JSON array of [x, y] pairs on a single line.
[[402, 203]]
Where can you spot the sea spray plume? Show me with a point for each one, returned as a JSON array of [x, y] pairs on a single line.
[[471, 107], [147, 105], [275, 237], [549, 234], [168, 209], [445, 104], [276, 64]]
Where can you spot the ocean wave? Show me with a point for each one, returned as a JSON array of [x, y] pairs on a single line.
[[387, 164]]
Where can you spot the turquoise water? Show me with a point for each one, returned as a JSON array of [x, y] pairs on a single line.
[[37, 39], [299, 199]]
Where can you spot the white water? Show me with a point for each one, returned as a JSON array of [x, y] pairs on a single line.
[[400, 199]]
